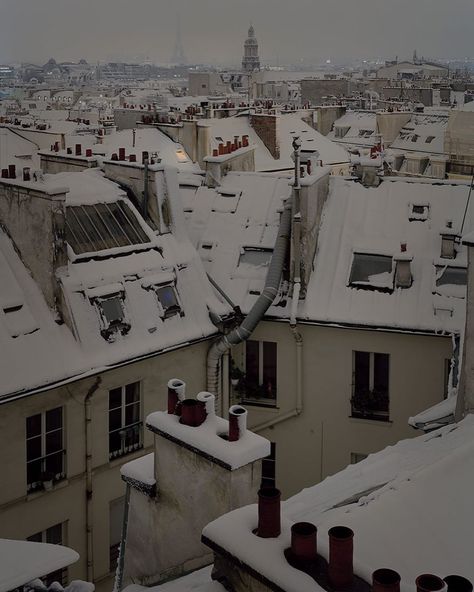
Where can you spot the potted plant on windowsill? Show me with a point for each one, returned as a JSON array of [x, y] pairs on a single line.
[[236, 374], [47, 477]]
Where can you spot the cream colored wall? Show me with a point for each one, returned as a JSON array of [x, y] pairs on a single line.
[[319, 442], [22, 515]]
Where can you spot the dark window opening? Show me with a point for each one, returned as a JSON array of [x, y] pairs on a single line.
[[125, 426], [370, 393], [259, 384]]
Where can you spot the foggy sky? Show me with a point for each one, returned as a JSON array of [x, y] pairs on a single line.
[[213, 31]]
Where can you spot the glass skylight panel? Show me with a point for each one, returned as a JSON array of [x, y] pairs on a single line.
[[371, 270], [102, 226], [112, 309], [257, 257]]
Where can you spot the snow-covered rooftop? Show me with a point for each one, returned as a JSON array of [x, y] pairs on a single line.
[[197, 581], [126, 301], [24, 561], [423, 133], [359, 129], [290, 125], [409, 506]]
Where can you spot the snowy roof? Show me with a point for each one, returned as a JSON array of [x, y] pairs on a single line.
[[197, 581], [243, 214], [125, 302], [290, 125], [408, 505], [375, 221], [362, 127], [24, 561], [423, 133], [14, 149]]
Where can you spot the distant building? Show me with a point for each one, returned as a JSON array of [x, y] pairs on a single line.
[[251, 60]]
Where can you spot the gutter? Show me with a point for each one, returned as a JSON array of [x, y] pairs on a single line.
[[89, 517]]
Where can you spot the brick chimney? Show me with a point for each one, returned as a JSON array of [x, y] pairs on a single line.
[[268, 129]]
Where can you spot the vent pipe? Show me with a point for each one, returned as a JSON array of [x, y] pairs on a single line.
[[303, 541], [237, 422], [429, 583], [269, 516], [458, 584], [341, 548], [209, 401], [176, 390], [385, 580]]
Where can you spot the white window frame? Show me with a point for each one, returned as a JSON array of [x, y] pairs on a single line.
[[35, 485], [124, 450]]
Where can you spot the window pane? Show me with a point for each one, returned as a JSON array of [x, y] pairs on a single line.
[[54, 535], [132, 437], [33, 471], [33, 425], [132, 392], [115, 419], [167, 297], [54, 419], [115, 398], [364, 266], [35, 538], [251, 363], [361, 372], [54, 441], [54, 464], [452, 275], [269, 368], [256, 257], [115, 442], [33, 448], [112, 309], [132, 413], [381, 372]]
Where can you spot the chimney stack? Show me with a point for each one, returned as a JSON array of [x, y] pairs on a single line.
[[341, 548], [303, 541], [403, 275], [385, 580], [269, 516], [237, 422]]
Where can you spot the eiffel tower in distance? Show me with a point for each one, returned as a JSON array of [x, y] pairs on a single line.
[[178, 58]]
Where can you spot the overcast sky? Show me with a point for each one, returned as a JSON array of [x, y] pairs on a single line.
[[214, 30]]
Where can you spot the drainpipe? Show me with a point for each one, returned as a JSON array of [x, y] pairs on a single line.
[[89, 518], [294, 301], [270, 290], [145, 189]]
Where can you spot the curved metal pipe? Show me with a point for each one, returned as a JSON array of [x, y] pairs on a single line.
[[258, 310]]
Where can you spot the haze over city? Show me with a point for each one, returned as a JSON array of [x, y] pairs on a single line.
[[212, 29]]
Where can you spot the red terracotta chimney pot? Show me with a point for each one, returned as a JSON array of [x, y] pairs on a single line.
[[303, 540], [341, 547], [385, 580], [429, 583], [269, 517], [458, 584]]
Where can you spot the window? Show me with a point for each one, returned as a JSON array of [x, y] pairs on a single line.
[[168, 300], [260, 382], [125, 427], [269, 468], [357, 457], [54, 536], [116, 510], [112, 315], [456, 276], [419, 212], [44, 449], [370, 396], [371, 272], [256, 256], [102, 226]]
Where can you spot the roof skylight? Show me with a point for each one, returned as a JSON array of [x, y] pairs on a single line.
[[371, 271], [102, 226]]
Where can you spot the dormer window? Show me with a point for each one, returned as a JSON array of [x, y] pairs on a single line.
[[113, 318], [372, 272], [419, 212], [255, 256], [454, 276], [168, 300]]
